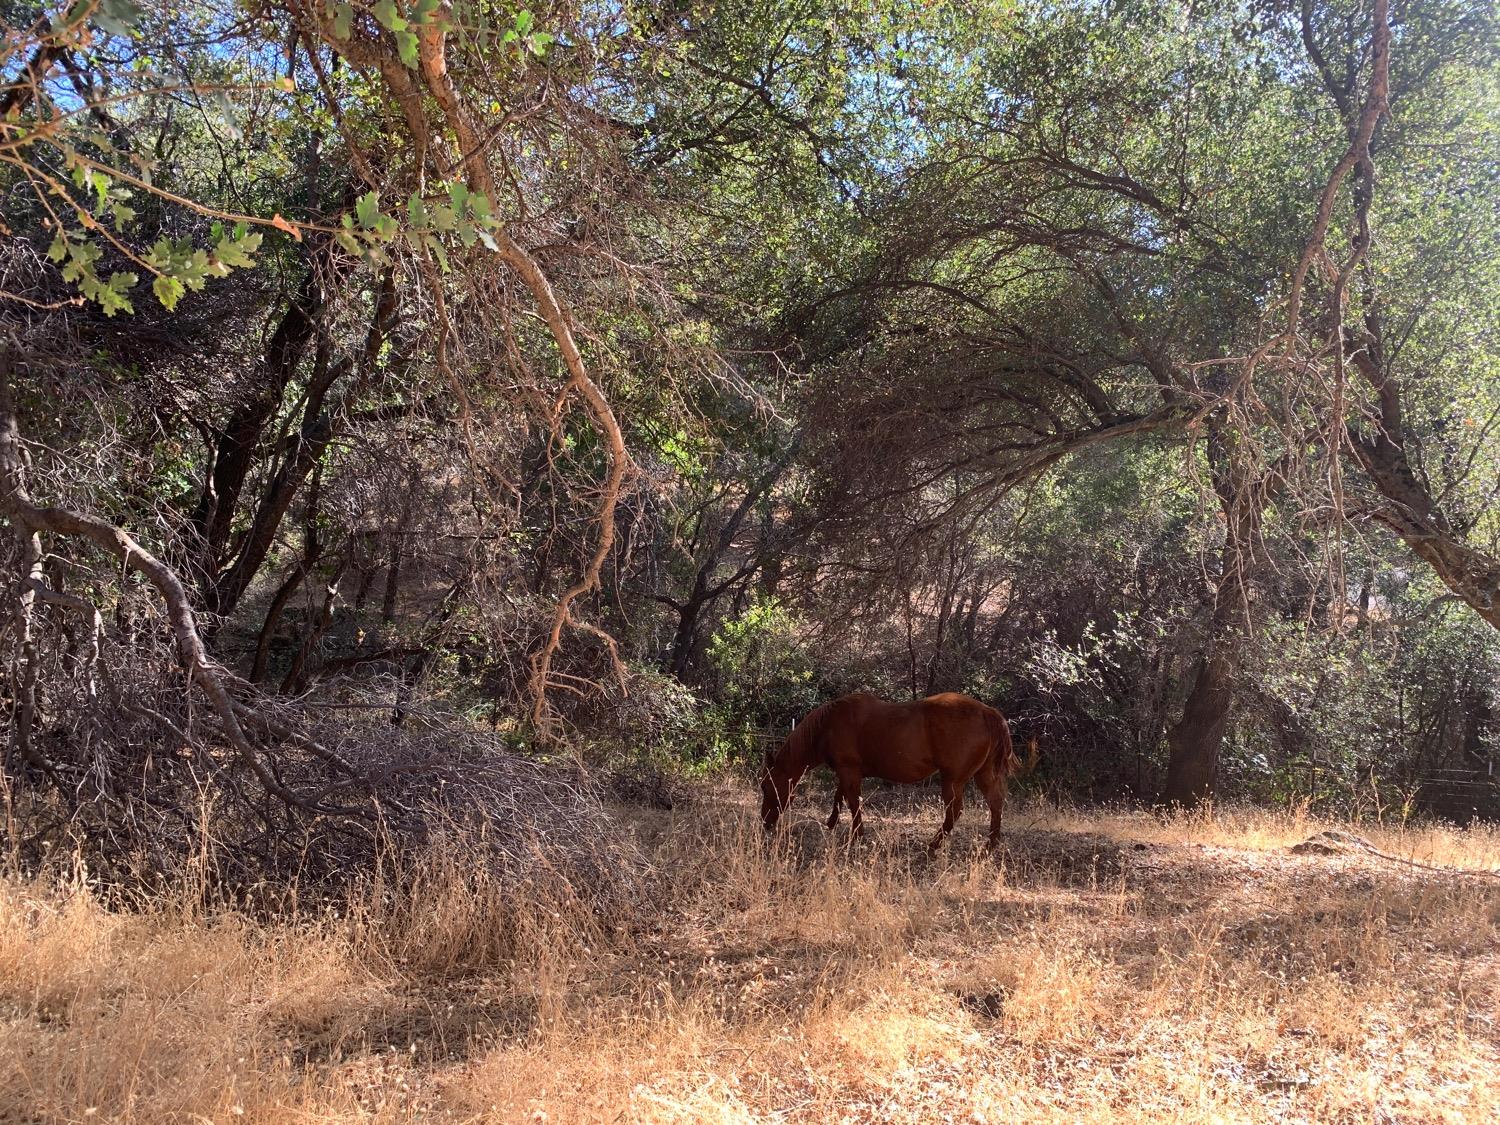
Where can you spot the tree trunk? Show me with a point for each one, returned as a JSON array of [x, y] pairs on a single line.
[[1193, 768], [296, 677], [319, 426], [235, 455], [685, 637], [703, 595], [1244, 490], [311, 554], [278, 606]]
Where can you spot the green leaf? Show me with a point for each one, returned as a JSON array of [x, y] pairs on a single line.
[[193, 268], [386, 15], [118, 17], [81, 259], [459, 194], [159, 257], [100, 183], [59, 248], [416, 212], [343, 21], [168, 291], [367, 209], [235, 253], [524, 21], [112, 297], [228, 256], [406, 47]]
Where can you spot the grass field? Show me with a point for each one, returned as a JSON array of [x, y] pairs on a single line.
[[1114, 966]]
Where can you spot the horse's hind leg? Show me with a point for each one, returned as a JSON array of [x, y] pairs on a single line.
[[992, 784], [953, 807], [849, 783], [833, 817]]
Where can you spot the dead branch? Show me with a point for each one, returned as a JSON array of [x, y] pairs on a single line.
[[17, 505]]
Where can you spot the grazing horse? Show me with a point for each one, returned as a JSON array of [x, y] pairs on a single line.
[[859, 736]]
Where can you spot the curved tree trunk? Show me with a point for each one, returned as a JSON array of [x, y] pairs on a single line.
[[1198, 736], [1193, 767], [1244, 491]]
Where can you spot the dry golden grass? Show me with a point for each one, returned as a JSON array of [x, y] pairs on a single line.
[[1116, 966]]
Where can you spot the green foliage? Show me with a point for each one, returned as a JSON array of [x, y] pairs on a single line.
[[435, 224], [180, 267], [111, 175], [1352, 722], [997, 222], [765, 673]]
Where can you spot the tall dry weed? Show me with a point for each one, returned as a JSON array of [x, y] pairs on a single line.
[[1118, 965]]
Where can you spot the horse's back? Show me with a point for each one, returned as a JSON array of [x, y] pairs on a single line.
[[954, 702], [958, 722], [866, 717], [906, 742], [950, 709]]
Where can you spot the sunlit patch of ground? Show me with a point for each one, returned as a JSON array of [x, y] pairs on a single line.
[[1111, 966]]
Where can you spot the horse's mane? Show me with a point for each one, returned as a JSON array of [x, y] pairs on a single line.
[[802, 744]]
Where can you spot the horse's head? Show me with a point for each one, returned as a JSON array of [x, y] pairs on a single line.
[[775, 792]]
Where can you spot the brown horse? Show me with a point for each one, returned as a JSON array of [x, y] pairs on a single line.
[[859, 736]]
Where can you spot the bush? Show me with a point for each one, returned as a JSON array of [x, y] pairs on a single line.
[[765, 677]]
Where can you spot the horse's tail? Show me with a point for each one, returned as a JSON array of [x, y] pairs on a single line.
[[1002, 749], [1033, 755]]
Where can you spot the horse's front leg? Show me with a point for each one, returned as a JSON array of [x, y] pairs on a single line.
[[838, 799], [953, 807]]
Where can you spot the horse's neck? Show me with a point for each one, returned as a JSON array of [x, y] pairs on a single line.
[[803, 747]]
